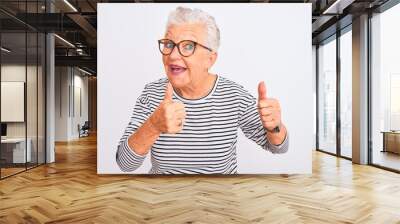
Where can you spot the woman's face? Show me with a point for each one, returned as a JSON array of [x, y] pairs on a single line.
[[181, 70]]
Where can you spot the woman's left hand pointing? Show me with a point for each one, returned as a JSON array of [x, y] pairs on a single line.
[[268, 108]]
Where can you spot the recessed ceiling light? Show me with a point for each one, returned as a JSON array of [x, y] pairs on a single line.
[[5, 50], [84, 71], [337, 7], [64, 40], [70, 5]]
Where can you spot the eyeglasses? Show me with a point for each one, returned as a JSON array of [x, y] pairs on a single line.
[[185, 47]]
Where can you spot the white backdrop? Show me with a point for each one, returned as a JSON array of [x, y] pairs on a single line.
[[259, 42]]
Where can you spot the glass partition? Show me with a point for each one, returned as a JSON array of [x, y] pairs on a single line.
[[31, 100], [385, 89], [22, 77], [346, 94], [14, 155], [327, 96]]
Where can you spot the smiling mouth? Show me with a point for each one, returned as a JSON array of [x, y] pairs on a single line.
[[176, 69]]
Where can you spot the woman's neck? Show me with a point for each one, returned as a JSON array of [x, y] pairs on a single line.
[[199, 89]]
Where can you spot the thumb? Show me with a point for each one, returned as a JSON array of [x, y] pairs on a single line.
[[168, 92], [262, 91]]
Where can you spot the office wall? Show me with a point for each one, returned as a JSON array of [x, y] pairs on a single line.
[[92, 108], [71, 102], [62, 80], [12, 98], [80, 103], [33, 126], [13, 73]]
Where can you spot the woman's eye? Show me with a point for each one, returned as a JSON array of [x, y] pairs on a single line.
[[169, 45], [189, 47]]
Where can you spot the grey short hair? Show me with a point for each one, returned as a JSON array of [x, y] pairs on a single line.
[[183, 15]]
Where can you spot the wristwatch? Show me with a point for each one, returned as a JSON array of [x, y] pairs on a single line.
[[276, 129]]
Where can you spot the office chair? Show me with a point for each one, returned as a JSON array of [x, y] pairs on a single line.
[[84, 130]]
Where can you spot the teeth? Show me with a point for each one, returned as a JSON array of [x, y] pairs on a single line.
[[177, 68]]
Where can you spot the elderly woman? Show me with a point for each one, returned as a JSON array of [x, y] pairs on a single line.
[[189, 120]]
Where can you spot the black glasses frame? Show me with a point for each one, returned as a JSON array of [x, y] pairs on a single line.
[[178, 44]]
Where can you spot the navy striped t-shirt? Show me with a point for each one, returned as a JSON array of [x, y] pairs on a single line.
[[207, 142]]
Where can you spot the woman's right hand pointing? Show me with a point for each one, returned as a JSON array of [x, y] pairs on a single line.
[[169, 116]]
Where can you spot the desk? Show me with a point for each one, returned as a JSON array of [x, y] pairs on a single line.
[[15, 148], [391, 141]]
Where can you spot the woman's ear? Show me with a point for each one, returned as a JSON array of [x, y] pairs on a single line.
[[212, 59]]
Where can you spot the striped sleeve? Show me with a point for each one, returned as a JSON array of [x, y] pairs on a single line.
[[126, 158], [252, 127]]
